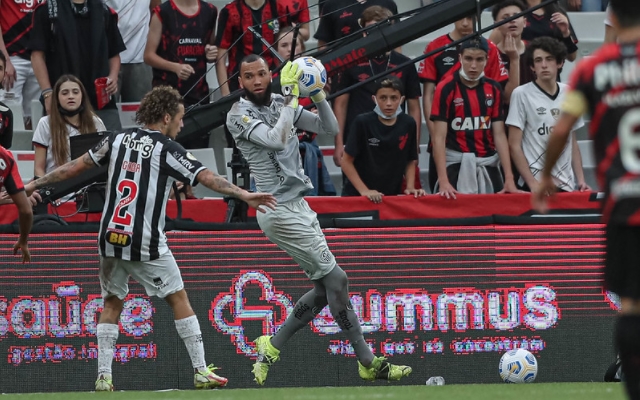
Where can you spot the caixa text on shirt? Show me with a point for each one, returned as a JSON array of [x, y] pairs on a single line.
[[144, 145]]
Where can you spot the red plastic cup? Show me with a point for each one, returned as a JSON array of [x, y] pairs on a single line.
[[102, 96]]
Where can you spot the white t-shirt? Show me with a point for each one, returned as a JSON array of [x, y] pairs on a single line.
[[535, 112], [133, 23], [42, 136]]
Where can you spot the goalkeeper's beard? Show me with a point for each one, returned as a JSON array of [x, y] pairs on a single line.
[[260, 99]]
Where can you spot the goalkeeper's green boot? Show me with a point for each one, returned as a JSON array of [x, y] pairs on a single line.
[[381, 369], [267, 355], [104, 383], [207, 379]]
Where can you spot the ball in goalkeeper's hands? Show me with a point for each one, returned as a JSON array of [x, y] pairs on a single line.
[[313, 78]]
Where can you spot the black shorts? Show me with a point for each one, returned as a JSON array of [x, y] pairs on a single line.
[[622, 266]]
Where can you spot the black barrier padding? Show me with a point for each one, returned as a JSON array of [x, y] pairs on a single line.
[[405, 284]]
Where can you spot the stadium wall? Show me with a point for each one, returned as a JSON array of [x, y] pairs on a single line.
[[447, 300]]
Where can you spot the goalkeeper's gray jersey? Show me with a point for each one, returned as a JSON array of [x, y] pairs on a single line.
[[267, 138]]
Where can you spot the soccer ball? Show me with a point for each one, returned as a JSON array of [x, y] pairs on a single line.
[[313, 77], [518, 366]]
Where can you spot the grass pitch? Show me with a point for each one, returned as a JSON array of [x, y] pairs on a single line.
[[534, 391]]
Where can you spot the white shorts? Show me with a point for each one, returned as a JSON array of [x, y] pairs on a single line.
[[25, 88], [294, 227], [160, 277]]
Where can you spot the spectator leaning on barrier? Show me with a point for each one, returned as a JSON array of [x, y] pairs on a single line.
[[534, 111], [382, 148], [133, 22], [19, 83], [11, 181], [360, 100], [512, 47], [71, 115], [131, 241], [179, 45], [469, 141], [433, 70], [81, 38], [6, 116]]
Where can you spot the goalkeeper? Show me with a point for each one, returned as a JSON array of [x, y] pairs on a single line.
[[263, 126]]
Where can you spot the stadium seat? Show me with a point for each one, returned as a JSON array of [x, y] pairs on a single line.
[[24, 159], [22, 140]]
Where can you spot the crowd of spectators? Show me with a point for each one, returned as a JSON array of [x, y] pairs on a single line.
[[79, 57]]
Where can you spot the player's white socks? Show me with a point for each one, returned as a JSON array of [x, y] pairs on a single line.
[[189, 330], [107, 337]]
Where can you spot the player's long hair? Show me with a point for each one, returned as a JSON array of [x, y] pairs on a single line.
[[58, 122], [160, 101]]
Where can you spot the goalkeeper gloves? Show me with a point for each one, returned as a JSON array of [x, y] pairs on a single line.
[[289, 76], [318, 97]]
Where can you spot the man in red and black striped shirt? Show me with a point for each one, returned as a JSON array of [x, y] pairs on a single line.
[[607, 86], [10, 180], [266, 16], [19, 82], [469, 140]]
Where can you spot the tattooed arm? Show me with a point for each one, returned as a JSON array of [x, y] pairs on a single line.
[[67, 171], [221, 185]]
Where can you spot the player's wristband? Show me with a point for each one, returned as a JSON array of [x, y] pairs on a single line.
[[317, 98]]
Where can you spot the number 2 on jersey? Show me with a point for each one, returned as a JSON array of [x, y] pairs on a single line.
[[128, 191]]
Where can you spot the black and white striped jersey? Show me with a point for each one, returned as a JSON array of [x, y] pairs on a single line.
[[143, 164]]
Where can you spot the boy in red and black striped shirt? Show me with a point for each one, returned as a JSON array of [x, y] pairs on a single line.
[[469, 140], [607, 86]]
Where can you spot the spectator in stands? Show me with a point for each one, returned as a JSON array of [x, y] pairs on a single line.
[[78, 37], [266, 16], [360, 100], [296, 12], [535, 109], [340, 18], [179, 45], [585, 5], [20, 84], [382, 148], [512, 47], [550, 20], [133, 22], [312, 158], [71, 115], [434, 69], [469, 141], [6, 116]]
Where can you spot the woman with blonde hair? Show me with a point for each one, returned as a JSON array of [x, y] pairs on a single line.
[[71, 115]]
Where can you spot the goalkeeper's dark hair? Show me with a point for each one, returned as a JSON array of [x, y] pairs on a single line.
[[391, 82], [251, 58], [160, 101], [627, 12]]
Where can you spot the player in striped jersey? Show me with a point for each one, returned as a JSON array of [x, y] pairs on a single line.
[[607, 86], [143, 164]]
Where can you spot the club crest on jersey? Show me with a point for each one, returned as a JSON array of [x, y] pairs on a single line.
[[471, 123], [555, 113], [144, 145], [274, 25]]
